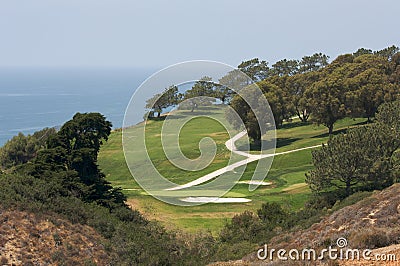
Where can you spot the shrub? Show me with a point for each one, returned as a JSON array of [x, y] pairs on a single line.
[[234, 251], [272, 215], [245, 227], [369, 238]]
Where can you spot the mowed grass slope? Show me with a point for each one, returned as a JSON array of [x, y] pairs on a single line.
[[287, 172]]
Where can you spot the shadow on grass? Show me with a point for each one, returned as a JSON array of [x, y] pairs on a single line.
[[200, 111], [182, 115], [366, 122], [161, 118], [336, 132], [294, 124], [343, 130], [281, 142], [267, 144]]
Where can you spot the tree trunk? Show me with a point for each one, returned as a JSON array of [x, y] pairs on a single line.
[[305, 115], [348, 188], [330, 129], [299, 115]]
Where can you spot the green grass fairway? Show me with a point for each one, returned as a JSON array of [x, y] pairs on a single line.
[[286, 174]]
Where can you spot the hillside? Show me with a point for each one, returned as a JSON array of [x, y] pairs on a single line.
[[30, 239], [372, 223]]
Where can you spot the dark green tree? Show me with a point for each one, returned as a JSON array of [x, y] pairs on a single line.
[[337, 163], [364, 158], [72, 152]]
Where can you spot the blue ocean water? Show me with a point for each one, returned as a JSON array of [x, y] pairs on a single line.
[[31, 99]]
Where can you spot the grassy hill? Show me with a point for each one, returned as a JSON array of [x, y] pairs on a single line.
[[286, 174]]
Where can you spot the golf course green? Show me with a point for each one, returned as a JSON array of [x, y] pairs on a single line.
[[285, 182]]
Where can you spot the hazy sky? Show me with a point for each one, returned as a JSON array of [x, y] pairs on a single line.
[[152, 33]]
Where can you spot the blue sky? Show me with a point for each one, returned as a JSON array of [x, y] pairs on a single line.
[[150, 33]]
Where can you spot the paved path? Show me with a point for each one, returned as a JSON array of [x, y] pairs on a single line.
[[230, 145]]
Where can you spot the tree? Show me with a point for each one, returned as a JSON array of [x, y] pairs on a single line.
[[163, 100], [22, 149], [365, 157], [362, 51], [388, 119], [223, 93], [327, 101], [297, 86], [368, 85], [72, 153], [254, 118], [361, 158], [285, 67], [337, 164], [235, 80], [373, 89], [339, 62], [394, 77], [313, 62], [388, 115], [278, 100], [257, 70], [200, 94], [388, 52]]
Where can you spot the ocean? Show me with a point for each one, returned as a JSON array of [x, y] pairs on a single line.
[[35, 98]]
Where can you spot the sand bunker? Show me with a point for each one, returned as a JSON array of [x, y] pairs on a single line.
[[215, 200], [252, 182]]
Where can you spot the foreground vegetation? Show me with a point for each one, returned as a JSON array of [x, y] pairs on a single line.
[[63, 181], [45, 185]]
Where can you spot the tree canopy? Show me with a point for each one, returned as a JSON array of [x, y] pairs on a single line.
[[22, 149], [71, 155], [160, 101]]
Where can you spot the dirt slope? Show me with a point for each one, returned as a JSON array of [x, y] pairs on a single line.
[[29, 239], [373, 223]]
